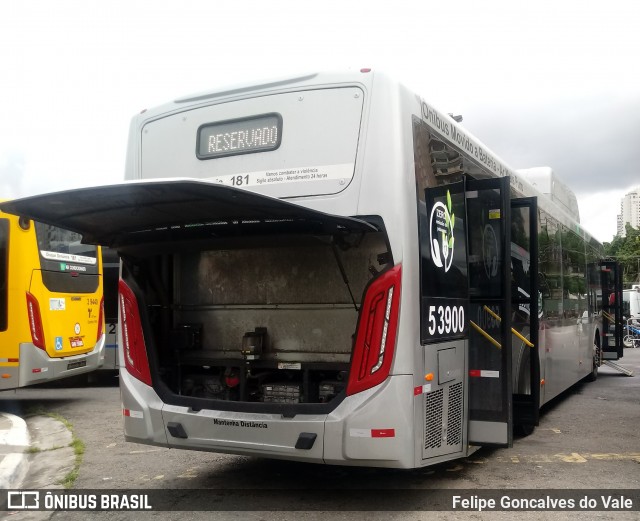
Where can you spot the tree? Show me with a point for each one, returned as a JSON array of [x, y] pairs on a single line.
[[626, 250]]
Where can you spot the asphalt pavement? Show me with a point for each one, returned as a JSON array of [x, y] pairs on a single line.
[[36, 452]]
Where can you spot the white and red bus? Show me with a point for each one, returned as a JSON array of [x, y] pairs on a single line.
[[326, 268]]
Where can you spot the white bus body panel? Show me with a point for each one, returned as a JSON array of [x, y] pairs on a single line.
[[374, 427], [293, 169], [142, 410]]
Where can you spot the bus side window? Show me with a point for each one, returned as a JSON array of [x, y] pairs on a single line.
[[544, 286], [626, 304]]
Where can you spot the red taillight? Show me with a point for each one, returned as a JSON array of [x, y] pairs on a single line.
[[135, 353], [35, 322], [100, 320], [376, 335]]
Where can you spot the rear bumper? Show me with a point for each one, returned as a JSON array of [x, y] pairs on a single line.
[[36, 366], [369, 429]]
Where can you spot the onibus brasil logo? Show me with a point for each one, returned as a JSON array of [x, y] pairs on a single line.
[[441, 225]]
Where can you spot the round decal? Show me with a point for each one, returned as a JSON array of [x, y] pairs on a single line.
[[490, 251], [77, 328], [441, 238]]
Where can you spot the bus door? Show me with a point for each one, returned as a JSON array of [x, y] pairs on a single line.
[[489, 357], [525, 313], [611, 286]]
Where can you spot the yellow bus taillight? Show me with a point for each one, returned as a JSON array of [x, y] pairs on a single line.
[[100, 320], [35, 322]]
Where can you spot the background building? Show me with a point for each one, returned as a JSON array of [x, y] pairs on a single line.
[[629, 211]]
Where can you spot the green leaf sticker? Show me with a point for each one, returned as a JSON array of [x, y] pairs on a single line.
[[449, 201], [451, 243]]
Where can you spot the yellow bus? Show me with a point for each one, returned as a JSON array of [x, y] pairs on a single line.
[[51, 304]]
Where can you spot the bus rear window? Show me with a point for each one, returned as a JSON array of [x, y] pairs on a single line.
[[56, 244], [62, 253]]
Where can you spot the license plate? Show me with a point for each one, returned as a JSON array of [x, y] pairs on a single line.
[[75, 365], [76, 341]]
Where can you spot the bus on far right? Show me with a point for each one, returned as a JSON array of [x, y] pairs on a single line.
[[631, 316]]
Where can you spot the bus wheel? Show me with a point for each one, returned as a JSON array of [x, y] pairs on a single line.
[[593, 375], [524, 429]]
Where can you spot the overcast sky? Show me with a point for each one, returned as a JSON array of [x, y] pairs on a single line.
[[553, 83]]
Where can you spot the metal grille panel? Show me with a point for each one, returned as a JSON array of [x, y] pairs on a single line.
[[454, 415], [433, 419]]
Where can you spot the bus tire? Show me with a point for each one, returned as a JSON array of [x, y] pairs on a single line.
[[524, 429], [593, 375]]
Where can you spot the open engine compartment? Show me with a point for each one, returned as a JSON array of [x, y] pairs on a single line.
[[245, 322]]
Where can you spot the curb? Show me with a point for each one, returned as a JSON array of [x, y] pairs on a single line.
[[13, 443]]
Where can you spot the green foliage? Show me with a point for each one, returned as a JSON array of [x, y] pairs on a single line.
[[626, 250]]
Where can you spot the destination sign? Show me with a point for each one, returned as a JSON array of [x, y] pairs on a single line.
[[239, 136]]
